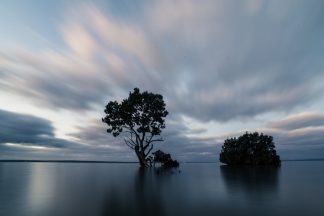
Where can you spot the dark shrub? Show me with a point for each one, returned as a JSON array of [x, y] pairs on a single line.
[[249, 149], [165, 159]]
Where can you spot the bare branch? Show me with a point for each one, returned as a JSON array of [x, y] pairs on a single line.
[[127, 131], [157, 140], [148, 141], [149, 150], [143, 136], [136, 134], [151, 137], [130, 145], [132, 141], [151, 141]]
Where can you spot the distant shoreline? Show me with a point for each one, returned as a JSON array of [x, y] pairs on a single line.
[[86, 161], [65, 161]]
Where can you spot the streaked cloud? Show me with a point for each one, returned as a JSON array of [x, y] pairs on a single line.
[[216, 62], [29, 137], [300, 120], [188, 52], [29, 131]]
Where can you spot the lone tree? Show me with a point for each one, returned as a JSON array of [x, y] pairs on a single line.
[[141, 116], [250, 149]]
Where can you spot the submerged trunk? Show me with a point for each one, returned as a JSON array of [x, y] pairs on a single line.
[[141, 157]]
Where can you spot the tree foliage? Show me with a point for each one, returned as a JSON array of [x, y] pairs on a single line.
[[140, 116], [165, 159], [250, 149]]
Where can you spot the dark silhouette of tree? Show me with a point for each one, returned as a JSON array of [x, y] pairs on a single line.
[[250, 149], [165, 159], [141, 116]]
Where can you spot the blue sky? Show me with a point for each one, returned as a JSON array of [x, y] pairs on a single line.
[[223, 67]]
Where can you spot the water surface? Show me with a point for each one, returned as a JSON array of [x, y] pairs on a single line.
[[296, 188]]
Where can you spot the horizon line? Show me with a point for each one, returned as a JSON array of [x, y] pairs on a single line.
[[95, 161]]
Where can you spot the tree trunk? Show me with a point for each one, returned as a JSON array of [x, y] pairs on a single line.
[[141, 157]]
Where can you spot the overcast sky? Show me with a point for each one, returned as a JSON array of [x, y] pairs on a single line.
[[223, 67]]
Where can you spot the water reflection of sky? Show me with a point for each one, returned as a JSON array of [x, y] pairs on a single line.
[[124, 189], [41, 186]]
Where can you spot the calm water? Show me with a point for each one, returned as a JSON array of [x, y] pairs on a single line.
[[297, 188]]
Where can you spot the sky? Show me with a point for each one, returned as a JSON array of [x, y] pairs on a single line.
[[223, 68]]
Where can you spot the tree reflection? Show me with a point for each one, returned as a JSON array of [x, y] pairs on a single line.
[[250, 180], [143, 196]]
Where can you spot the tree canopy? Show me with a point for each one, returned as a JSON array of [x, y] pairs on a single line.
[[165, 159], [141, 117], [249, 149]]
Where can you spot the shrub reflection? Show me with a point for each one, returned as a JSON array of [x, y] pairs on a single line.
[[250, 179]]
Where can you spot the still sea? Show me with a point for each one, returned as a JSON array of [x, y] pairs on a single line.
[[43, 188]]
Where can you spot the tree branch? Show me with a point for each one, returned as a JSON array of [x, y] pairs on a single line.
[[130, 145], [131, 141], [157, 140], [149, 151], [148, 142], [136, 134], [143, 136]]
